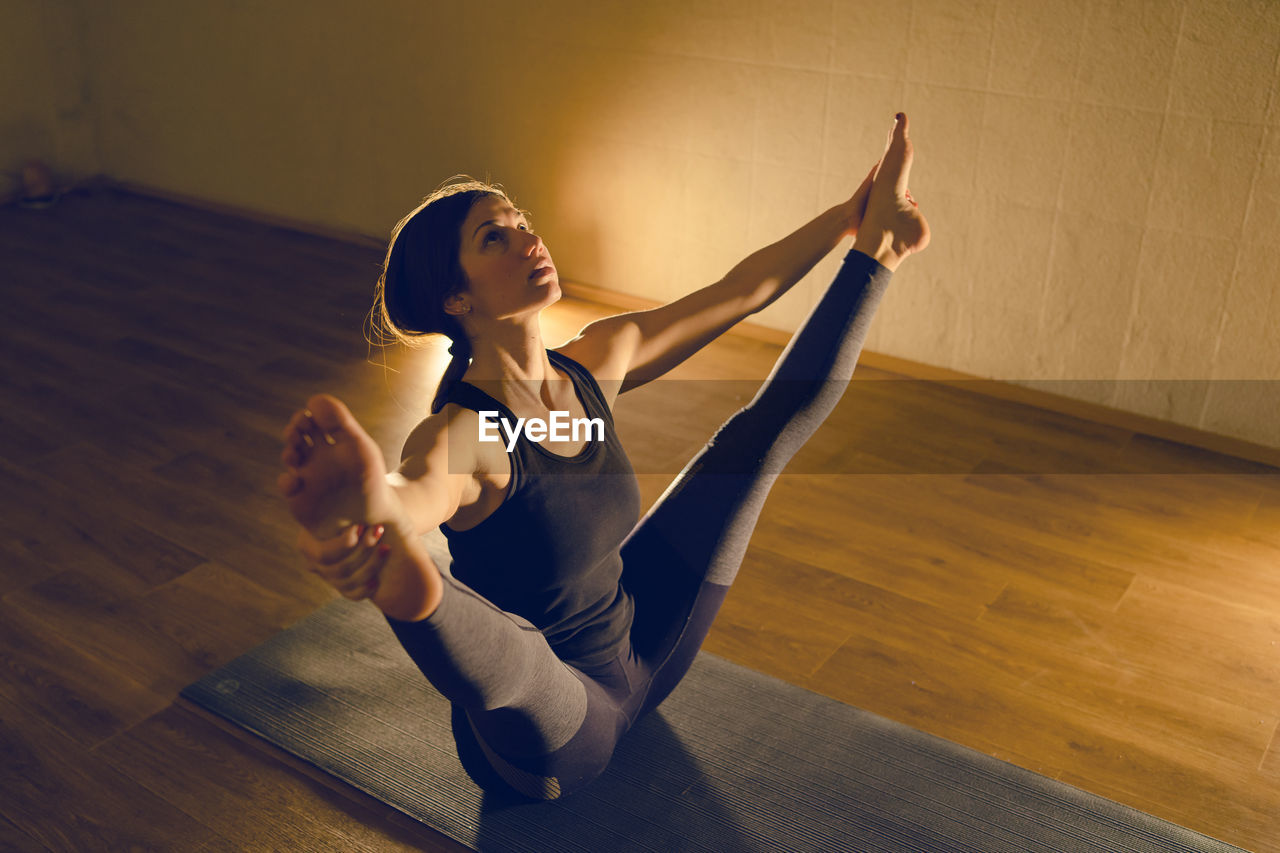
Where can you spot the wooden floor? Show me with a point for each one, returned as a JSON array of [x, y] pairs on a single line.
[[1096, 605]]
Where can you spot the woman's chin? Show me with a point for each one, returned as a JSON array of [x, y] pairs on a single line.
[[551, 286], [544, 295]]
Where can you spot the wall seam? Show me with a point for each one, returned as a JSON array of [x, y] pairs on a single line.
[[1127, 340], [92, 88], [977, 157], [1046, 281], [1235, 266], [1258, 161]]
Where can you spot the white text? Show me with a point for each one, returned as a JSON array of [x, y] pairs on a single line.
[[560, 428]]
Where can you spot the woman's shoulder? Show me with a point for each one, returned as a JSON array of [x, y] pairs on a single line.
[[449, 442], [448, 428], [601, 348], [601, 363]]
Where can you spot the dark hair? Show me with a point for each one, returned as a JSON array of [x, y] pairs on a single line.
[[422, 270]]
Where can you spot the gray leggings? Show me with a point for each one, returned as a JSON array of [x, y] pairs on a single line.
[[523, 719]]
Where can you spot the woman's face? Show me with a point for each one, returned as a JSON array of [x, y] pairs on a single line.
[[508, 268]]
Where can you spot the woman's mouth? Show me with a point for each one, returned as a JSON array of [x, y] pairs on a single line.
[[540, 271]]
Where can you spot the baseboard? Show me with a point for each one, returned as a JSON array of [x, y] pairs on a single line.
[[995, 388], [13, 195], [1094, 412], [341, 234]]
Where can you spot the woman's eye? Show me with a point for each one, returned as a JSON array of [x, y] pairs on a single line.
[[491, 236]]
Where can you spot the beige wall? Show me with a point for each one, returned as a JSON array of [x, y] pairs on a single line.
[[1102, 176], [45, 110]]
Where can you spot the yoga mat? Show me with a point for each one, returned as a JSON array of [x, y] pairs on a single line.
[[732, 761]]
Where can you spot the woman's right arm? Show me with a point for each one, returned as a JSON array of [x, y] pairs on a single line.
[[432, 481]]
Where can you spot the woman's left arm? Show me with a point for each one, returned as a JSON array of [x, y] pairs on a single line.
[[642, 345]]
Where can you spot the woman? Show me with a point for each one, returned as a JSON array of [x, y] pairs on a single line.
[[563, 619]]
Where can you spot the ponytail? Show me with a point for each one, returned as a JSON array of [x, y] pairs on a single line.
[[460, 349]]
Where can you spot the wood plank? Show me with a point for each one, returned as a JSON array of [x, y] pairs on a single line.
[[1139, 524], [166, 637], [1150, 502], [1270, 764], [1193, 639], [63, 524], [40, 669], [21, 440], [984, 706], [14, 839], [778, 619], [909, 534], [67, 798], [254, 539], [253, 799]]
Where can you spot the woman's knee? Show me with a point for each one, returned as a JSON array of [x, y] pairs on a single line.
[[547, 776]]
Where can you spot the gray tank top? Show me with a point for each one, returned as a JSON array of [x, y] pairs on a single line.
[[550, 552]]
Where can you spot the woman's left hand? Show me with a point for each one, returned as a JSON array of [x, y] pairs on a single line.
[[856, 206]]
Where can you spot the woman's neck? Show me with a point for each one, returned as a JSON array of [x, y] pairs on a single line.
[[511, 364]]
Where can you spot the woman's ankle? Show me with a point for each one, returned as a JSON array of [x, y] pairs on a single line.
[[409, 585], [878, 247]]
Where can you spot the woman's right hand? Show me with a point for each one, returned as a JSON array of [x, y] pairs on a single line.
[[350, 562]]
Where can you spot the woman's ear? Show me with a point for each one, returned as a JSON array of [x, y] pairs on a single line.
[[457, 305]]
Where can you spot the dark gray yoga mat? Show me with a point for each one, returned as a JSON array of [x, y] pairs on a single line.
[[733, 761]]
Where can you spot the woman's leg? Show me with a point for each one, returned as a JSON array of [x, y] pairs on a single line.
[[684, 554], [540, 724]]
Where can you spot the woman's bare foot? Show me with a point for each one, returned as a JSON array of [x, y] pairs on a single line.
[[336, 488], [336, 477], [893, 226]]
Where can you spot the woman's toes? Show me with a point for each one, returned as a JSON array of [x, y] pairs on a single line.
[[289, 484], [300, 421], [299, 432], [312, 432], [296, 446], [296, 453], [329, 416]]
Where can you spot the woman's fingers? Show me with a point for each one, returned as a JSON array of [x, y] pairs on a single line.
[[864, 189], [361, 572], [857, 204], [330, 552], [349, 562]]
